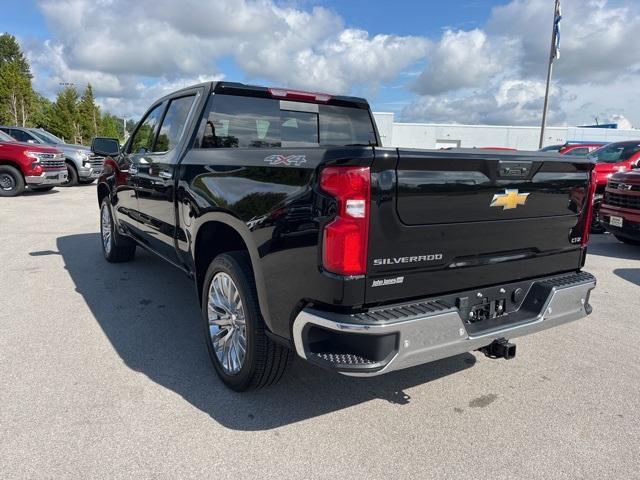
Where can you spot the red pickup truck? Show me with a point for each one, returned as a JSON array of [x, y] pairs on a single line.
[[25, 165], [620, 210], [578, 149], [611, 159]]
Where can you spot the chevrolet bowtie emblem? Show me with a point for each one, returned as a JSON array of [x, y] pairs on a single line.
[[509, 199]]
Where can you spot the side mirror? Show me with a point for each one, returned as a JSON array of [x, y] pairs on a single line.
[[105, 147]]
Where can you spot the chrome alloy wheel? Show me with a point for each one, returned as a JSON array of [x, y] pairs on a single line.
[[105, 224], [227, 326]]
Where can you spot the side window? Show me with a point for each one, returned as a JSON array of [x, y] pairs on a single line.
[[235, 121], [20, 136], [629, 151], [174, 123], [142, 142]]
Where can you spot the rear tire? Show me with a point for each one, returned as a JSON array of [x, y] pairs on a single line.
[[234, 324], [42, 189], [628, 241], [11, 181], [596, 222], [115, 247], [72, 176]]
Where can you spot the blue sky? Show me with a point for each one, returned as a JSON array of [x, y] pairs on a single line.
[[469, 61]]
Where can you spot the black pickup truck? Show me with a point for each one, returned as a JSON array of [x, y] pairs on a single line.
[[303, 234]]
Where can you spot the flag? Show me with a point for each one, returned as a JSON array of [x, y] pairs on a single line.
[[556, 32]]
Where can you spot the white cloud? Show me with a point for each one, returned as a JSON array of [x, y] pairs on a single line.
[[134, 52], [464, 59], [496, 74], [507, 102], [117, 44], [598, 38]]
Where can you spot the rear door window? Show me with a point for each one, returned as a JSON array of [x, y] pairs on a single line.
[[249, 122], [173, 123]]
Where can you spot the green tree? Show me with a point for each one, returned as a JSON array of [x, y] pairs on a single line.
[[88, 115], [64, 116], [110, 126], [10, 52], [42, 112], [16, 95]]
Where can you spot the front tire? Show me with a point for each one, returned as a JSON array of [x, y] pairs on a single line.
[[11, 181], [243, 356], [628, 241], [72, 176], [115, 247]]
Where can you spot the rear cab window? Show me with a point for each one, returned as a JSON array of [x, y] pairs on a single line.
[[233, 121]]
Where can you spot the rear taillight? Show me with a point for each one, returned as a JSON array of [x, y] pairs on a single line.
[[588, 214], [346, 239]]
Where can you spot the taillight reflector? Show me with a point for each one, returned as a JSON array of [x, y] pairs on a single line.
[[346, 239]]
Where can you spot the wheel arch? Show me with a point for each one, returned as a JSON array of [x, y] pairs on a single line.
[[11, 163], [103, 191], [217, 233]]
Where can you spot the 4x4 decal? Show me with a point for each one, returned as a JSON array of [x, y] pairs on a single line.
[[286, 160]]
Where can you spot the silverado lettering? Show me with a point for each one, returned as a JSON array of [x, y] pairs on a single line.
[[413, 259], [288, 215]]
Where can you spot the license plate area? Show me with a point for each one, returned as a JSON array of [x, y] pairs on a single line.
[[616, 221], [487, 306], [487, 310]]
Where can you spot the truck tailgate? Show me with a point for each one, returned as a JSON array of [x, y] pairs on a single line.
[[443, 221]]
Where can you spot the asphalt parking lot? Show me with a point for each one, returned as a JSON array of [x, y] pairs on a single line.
[[104, 373]]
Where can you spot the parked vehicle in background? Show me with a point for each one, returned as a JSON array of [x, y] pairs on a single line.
[[39, 167], [552, 148], [82, 168], [579, 148], [620, 209], [302, 234], [611, 159]]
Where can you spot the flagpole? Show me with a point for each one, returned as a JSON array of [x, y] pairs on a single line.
[[552, 54]]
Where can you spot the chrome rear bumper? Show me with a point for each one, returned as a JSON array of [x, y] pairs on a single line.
[[434, 330]]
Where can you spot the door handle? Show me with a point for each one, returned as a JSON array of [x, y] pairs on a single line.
[[164, 174]]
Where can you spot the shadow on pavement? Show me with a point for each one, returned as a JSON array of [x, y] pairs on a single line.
[[606, 245], [34, 193], [149, 312], [629, 274]]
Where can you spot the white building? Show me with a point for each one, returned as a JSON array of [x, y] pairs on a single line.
[[432, 135]]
